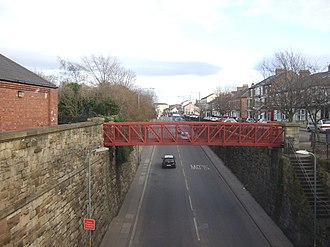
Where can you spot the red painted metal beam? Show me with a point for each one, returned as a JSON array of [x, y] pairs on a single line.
[[193, 133]]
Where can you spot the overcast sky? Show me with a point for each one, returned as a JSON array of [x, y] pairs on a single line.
[[181, 48]]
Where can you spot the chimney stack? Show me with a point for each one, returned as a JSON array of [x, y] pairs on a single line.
[[279, 71], [304, 73]]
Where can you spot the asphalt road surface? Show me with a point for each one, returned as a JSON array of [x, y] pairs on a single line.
[[191, 205], [198, 203]]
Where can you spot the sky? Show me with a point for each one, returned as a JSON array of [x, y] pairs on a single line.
[[180, 49]]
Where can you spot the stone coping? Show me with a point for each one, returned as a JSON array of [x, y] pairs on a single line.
[[18, 134]]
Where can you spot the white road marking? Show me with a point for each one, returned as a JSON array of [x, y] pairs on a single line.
[[191, 206], [200, 167], [189, 197], [196, 230]]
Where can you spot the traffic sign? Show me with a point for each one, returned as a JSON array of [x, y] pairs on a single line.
[[89, 224]]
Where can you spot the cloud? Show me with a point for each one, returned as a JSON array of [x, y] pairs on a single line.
[[32, 60], [171, 68], [313, 14]]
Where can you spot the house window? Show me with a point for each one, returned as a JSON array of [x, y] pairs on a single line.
[[277, 115], [20, 93], [300, 115]]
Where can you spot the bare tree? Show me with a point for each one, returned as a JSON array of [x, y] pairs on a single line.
[[146, 108], [70, 72], [221, 103], [107, 85], [284, 93], [51, 78], [107, 70], [124, 77], [287, 60], [101, 69], [316, 96]]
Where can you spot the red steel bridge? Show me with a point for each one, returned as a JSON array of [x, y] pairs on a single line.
[[193, 133]]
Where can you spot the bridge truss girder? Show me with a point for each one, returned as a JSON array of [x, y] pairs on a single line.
[[192, 133]]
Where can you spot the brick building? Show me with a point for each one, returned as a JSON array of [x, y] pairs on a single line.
[[238, 102], [26, 99]]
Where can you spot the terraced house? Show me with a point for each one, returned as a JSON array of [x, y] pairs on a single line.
[[290, 96]]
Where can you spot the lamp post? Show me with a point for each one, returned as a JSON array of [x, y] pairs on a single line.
[[305, 152], [90, 153]]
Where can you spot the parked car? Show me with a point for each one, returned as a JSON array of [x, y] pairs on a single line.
[[168, 161], [214, 119], [230, 120], [322, 125], [250, 120], [284, 120], [263, 120]]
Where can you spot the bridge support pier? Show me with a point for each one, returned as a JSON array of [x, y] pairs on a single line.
[[291, 134]]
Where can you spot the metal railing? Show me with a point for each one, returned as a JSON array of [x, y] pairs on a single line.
[[308, 178]]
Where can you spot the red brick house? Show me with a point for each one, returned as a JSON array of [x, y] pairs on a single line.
[[26, 99]]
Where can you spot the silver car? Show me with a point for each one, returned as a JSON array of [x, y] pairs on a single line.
[[322, 125]]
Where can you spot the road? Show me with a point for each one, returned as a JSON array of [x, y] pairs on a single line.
[[191, 205]]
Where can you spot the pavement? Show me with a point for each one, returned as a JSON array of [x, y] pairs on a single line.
[[124, 224], [121, 227]]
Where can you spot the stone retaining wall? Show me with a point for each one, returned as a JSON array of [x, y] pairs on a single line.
[[267, 174], [44, 185]]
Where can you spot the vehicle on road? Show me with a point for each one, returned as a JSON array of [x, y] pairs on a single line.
[[168, 161], [184, 135], [322, 125]]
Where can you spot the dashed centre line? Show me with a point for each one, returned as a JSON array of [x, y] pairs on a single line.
[[189, 197]]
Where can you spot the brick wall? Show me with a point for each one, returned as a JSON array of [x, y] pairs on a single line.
[[44, 185], [244, 107], [34, 107]]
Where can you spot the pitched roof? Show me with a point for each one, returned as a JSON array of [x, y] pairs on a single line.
[[13, 72], [241, 93], [207, 96], [322, 75], [264, 82], [321, 78]]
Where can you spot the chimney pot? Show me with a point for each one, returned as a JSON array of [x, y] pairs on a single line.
[[304, 73], [279, 71]]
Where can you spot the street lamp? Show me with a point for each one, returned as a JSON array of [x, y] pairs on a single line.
[[305, 152], [90, 153]]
